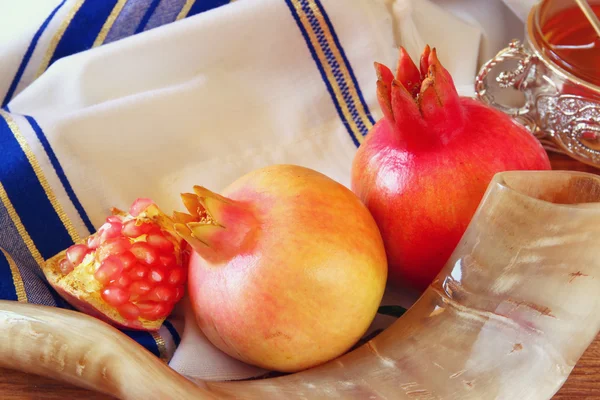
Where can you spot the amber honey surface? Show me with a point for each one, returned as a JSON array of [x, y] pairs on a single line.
[[573, 44]]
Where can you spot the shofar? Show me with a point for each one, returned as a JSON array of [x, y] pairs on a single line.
[[509, 316]]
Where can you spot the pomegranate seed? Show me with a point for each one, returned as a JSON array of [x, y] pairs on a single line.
[[154, 228], [153, 310], [160, 243], [167, 260], [65, 266], [128, 259], [139, 205], [132, 229], [157, 274], [140, 288], [76, 253], [109, 269], [129, 311], [138, 272], [123, 281], [114, 219], [162, 293], [94, 241], [144, 252], [179, 292], [115, 296], [110, 230], [177, 276], [112, 247]]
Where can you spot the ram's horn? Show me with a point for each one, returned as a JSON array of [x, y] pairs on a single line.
[[508, 318]]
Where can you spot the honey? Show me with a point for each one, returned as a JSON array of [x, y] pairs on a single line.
[[572, 43]]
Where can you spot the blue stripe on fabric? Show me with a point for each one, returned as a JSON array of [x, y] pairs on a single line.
[[173, 332], [128, 20], [201, 6], [321, 70], [346, 62], [61, 173], [33, 278], [28, 54], [145, 339], [336, 69], [166, 12], [147, 16], [8, 291], [29, 198], [84, 28]]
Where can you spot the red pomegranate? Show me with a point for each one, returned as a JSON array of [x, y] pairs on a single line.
[[424, 167]]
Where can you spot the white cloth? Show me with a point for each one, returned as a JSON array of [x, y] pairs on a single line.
[[206, 99]]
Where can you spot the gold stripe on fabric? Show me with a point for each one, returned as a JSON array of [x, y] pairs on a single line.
[[20, 228], [57, 36], [185, 9], [109, 22], [162, 347], [328, 69], [40, 175], [17, 280], [338, 57]]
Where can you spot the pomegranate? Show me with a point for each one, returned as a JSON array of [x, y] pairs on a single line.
[[425, 165], [288, 267], [130, 273]]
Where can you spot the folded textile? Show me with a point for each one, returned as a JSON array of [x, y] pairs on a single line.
[[105, 101]]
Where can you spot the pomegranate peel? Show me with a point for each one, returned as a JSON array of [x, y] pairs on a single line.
[[109, 274]]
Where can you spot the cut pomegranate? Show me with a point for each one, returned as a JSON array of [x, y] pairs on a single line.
[[94, 241], [144, 252], [153, 310], [109, 270], [114, 219], [133, 275], [65, 266], [134, 229], [177, 276], [139, 272], [123, 281], [179, 292], [129, 311], [140, 288], [76, 253], [113, 246], [157, 274], [115, 296], [160, 243], [162, 293], [167, 260], [110, 230], [128, 259], [140, 205]]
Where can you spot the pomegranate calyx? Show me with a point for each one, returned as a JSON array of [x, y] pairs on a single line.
[[422, 99], [221, 226], [408, 73]]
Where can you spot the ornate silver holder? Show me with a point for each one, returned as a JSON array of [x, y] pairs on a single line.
[[560, 109]]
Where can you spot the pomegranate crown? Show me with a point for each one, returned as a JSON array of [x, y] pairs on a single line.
[[424, 96]]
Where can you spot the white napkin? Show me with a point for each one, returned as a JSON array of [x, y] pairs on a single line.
[[206, 99]]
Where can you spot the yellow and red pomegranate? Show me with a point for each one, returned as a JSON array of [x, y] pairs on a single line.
[[424, 167], [288, 267]]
